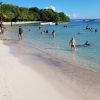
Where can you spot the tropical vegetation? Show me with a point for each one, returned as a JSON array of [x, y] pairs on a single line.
[[9, 12]]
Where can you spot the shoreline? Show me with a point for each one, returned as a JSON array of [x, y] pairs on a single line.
[[33, 22], [79, 79], [19, 76], [22, 22], [18, 81], [80, 61]]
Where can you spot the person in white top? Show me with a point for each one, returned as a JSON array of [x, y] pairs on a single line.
[[72, 43]]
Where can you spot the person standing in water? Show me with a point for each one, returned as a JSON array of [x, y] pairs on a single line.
[[2, 30], [53, 34], [72, 43], [11, 23], [20, 33]]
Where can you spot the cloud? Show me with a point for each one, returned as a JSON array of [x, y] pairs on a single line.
[[51, 7], [68, 15], [73, 15]]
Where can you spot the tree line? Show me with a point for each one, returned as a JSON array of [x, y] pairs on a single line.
[[14, 13]]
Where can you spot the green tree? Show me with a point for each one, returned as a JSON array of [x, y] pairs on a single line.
[[14, 13], [63, 17], [35, 13]]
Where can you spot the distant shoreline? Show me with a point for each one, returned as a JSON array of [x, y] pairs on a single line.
[[22, 22], [33, 22]]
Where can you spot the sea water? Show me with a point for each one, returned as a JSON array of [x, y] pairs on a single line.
[[59, 46]]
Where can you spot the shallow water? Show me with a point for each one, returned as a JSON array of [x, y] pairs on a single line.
[[59, 47]]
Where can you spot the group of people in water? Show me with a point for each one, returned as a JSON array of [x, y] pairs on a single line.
[[73, 44], [91, 29], [72, 41], [2, 28], [46, 32]]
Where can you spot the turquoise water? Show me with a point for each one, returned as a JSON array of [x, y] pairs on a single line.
[[59, 47]]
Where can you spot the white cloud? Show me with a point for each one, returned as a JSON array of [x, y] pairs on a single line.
[[51, 7], [73, 15], [68, 15]]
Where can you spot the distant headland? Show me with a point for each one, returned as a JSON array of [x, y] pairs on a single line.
[[14, 13]]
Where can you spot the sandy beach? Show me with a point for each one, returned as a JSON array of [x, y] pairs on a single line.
[[34, 75], [49, 50], [20, 82], [21, 22]]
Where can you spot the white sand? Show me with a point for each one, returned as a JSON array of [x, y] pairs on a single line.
[[19, 81], [22, 22]]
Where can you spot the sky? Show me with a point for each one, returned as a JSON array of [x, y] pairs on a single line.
[[73, 8]]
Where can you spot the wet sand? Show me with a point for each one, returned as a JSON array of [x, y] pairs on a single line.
[[31, 74]]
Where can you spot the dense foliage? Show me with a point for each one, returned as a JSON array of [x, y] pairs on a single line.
[[10, 12]]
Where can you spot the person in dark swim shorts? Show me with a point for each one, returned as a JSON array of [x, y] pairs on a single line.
[[20, 33]]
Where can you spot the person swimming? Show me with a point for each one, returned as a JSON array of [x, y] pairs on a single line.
[[78, 33], [40, 27], [96, 30], [86, 43], [29, 30], [46, 31]]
